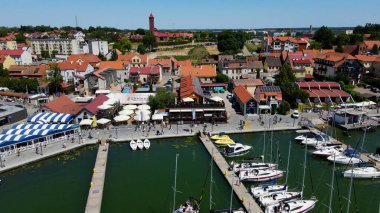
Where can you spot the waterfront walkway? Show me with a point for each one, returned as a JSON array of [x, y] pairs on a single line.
[[95, 194], [363, 156], [247, 200]]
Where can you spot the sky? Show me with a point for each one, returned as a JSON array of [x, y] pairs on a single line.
[[191, 14]]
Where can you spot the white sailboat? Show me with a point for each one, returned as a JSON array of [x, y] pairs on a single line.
[[237, 167], [140, 144], [133, 145], [278, 197], [260, 175], [362, 173], [317, 140], [146, 144]]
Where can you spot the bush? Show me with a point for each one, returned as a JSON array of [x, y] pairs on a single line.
[[283, 108]]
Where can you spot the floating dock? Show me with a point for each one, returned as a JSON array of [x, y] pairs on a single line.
[[240, 190], [95, 194]]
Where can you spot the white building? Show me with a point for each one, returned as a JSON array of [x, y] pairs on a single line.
[[20, 56]]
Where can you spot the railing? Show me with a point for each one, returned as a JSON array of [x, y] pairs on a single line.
[[192, 105]]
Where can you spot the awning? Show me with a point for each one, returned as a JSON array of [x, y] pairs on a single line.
[[50, 118], [213, 109], [103, 121], [126, 112], [187, 99], [132, 107], [264, 107], [158, 117], [121, 118], [143, 107], [86, 122], [216, 99]]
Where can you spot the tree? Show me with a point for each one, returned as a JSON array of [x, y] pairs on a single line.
[[113, 56], [342, 39], [221, 78], [162, 99], [283, 108], [140, 31], [232, 42], [325, 36], [149, 41], [55, 79], [3, 72], [141, 49], [53, 53], [20, 38], [375, 49], [198, 53], [257, 73], [45, 54], [102, 57], [123, 45]]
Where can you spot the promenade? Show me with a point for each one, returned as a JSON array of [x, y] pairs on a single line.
[[95, 194], [240, 190]]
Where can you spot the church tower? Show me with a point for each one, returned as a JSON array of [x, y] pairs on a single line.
[[151, 23]]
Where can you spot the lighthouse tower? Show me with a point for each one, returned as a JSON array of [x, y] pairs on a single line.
[[151, 23]]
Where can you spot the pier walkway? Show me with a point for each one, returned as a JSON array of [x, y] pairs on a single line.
[[363, 156], [95, 194], [247, 200]]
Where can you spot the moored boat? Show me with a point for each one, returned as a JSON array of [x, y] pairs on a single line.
[[224, 142], [260, 175], [133, 145], [220, 137], [237, 167], [140, 144], [237, 149], [296, 206], [325, 152], [362, 173], [146, 144], [265, 190], [349, 156], [278, 197]]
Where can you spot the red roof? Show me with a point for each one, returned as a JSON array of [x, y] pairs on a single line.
[[11, 52], [309, 76], [311, 94], [243, 95], [64, 105], [89, 58], [189, 86], [144, 70], [318, 84], [73, 65], [330, 93], [93, 105], [342, 93]]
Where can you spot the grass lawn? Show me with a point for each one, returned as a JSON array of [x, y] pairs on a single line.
[[252, 47]]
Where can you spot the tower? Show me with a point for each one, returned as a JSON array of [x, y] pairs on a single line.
[[151, 23]]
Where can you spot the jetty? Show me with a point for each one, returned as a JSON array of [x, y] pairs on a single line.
[[363, 156], [95, 194], [240, 190]]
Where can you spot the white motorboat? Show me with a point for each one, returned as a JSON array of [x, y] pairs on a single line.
[[146, 144], [237, 149], [140, 144], [133, 145], [237, 167], [260, 175], [278, 197], [187, 207], [349, 156], [326, 151], [259, 191], [296, 206], [316, 140], [362, 172], [301, 138]]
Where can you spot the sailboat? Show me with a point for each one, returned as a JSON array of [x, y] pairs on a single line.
[[362, 173], [238, 167], [133, 145]]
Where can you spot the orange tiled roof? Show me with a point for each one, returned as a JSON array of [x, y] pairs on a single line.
[[199, 71], [89, 58], [370, 44], [160, 61], [189, 86], [317, 53], [64, 105], [72, 65], [118, 65], [336, 56], [243, 95], [366, 58], [128, 58], [247, 82]]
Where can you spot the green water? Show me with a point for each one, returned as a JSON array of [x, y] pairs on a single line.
[[141, 181], [58, 184], [365, 194]]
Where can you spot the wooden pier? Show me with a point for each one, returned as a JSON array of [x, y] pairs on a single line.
[[95, 194], [363, 156], [245, 197]]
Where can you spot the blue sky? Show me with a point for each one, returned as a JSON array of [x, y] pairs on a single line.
[[200, 14]]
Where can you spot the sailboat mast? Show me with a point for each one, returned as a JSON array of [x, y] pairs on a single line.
[[287, 166], [365, 131], [304, 171], [232, 192], [332, 186], [175, 181], [211, 164], [271, 139], [349, 191], [265, 131]]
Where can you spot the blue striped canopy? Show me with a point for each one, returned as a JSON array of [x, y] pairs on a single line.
[[50, 117]]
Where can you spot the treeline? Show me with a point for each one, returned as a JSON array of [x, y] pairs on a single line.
[[231, 42], [369, 28]]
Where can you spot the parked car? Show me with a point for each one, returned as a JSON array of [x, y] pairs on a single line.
[[295, 114], [229, 96], [375, 89]]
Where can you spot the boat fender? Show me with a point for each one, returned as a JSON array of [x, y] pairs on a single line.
[[256, 172], [287, 207]]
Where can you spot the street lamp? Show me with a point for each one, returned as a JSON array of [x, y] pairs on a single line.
[[116, 133]]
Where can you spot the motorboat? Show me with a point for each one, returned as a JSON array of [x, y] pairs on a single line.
[[362, 173], [239, 210], [260, 175], [224, 142], [220, 137], [375, 156], [316, 140], [301, 138], [349, 156], [237, 149], [146, 144], [133, 145], [296, 206], [188, 207], [327, 151], [140, 144], [237, 167], [265, 190], [278, 197]]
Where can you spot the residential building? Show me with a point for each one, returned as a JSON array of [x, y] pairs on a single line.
[[6, 61], [21, 57], [284, 43], [145, 75], [301, 64], [8, 45], [268, 98], [245, 100], [316, 53], [63, 104], [272, 64], [121, 68], [134, 60], [91, 109], [366, 46], [100, 79], [74, 72], [367, 61], [89, 58], [191, 88], [209, 61], [249, 84], [375, 68], [225, 57], [165, 64], [29, 71], [205, 73], [236, 69], [330, 64], [324, 92]]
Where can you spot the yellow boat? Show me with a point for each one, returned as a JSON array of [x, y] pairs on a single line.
[[220, 137], [224, 142]]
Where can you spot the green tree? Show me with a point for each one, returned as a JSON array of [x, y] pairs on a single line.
[[231, 41], [123, 45], [161, 100], [102, 57], [55, 79], [149, 41], [325, 36], [20, 38], [113, 56], [141, 49], [196, 54], [283, 108], [342, 39], [140, 31], [375, 49], [221, 78], [53, 53], [315, 45], [3, 72], [45, 54]]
